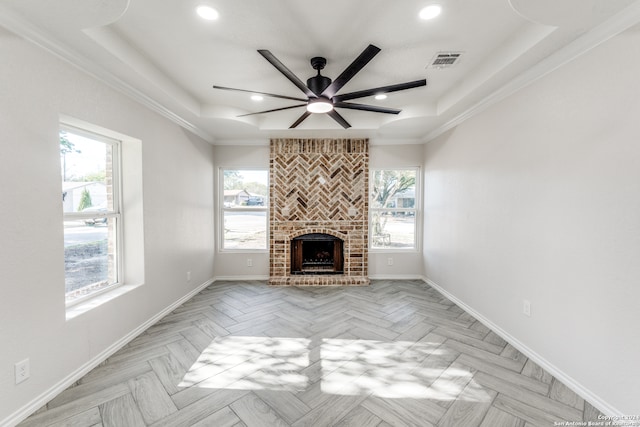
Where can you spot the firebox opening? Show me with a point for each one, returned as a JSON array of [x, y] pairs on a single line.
[[317, 254]]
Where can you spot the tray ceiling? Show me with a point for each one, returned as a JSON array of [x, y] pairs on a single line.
[[164, 55]]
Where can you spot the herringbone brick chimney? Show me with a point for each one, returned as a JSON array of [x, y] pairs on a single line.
[[319, 186]]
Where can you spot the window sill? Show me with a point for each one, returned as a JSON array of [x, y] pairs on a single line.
[[392, 250], [103, 298], [243, 251]]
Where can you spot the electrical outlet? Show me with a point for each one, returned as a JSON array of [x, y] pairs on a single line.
[[188, 276], [526, 308], [389, 261], [22, 371], [249, 262]]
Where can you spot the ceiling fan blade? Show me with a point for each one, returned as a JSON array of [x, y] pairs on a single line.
[[287, 72], [300, 119], [364, 107], [357, 65], [260, 93], [271, 111], [338, 118], [379, 90]]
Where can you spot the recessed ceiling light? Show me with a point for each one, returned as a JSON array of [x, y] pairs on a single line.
[[430, 11], [207, 12], [256, 98], [381, 96]]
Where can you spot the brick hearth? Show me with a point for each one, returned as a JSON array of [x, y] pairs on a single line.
[[319, 186]]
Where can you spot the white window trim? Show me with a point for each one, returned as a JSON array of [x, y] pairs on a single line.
[[222, 209], [417, 244], [116, 213]]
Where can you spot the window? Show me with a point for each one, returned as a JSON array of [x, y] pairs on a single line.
[[393, 208], [244, 204], [91, 212]]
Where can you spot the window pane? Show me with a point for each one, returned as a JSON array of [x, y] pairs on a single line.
[[246, 188], [393, 189], [395, 230], [86, 166], [87, 169], [89, 256], [244, 209], [244, 229], [393, 209]]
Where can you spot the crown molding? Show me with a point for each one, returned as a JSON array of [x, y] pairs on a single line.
[[618, 23], [29, 32]]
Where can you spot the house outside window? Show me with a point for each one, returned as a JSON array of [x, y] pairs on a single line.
[[244, 205], [393, 209], [90, 171]]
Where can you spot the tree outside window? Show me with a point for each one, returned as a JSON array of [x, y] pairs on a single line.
[[393, 209]]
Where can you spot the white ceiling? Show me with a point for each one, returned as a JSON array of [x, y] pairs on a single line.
[[164, 55]]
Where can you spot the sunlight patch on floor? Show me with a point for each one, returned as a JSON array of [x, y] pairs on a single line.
[[251, 363], [352, 367], [394, 370]]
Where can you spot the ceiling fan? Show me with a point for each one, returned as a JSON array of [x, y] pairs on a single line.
[[321, 92]]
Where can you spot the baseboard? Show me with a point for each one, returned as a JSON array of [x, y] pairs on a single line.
[[240, 278], [574, 385], [28, 409], [396, 277], [372, 277]]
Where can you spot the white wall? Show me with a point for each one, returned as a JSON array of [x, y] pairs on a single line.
[[234, 265], [177, 175], [538, 198]]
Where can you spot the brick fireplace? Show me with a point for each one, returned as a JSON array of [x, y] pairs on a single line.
[[319, 194]]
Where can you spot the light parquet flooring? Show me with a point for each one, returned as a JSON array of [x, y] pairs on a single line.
[[396, 353]]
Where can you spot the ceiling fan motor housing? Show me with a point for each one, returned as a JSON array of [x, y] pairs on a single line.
[[317, 84]]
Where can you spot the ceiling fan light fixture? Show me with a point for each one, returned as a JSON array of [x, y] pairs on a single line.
[[380, 96], [207, 12], [430, 12], [256, 98], [319, 105]]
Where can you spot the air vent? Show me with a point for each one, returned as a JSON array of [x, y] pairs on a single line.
[[445, 59]]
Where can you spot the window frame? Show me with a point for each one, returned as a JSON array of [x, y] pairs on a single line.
[[222, 209], [115, 213], [416, 210]]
